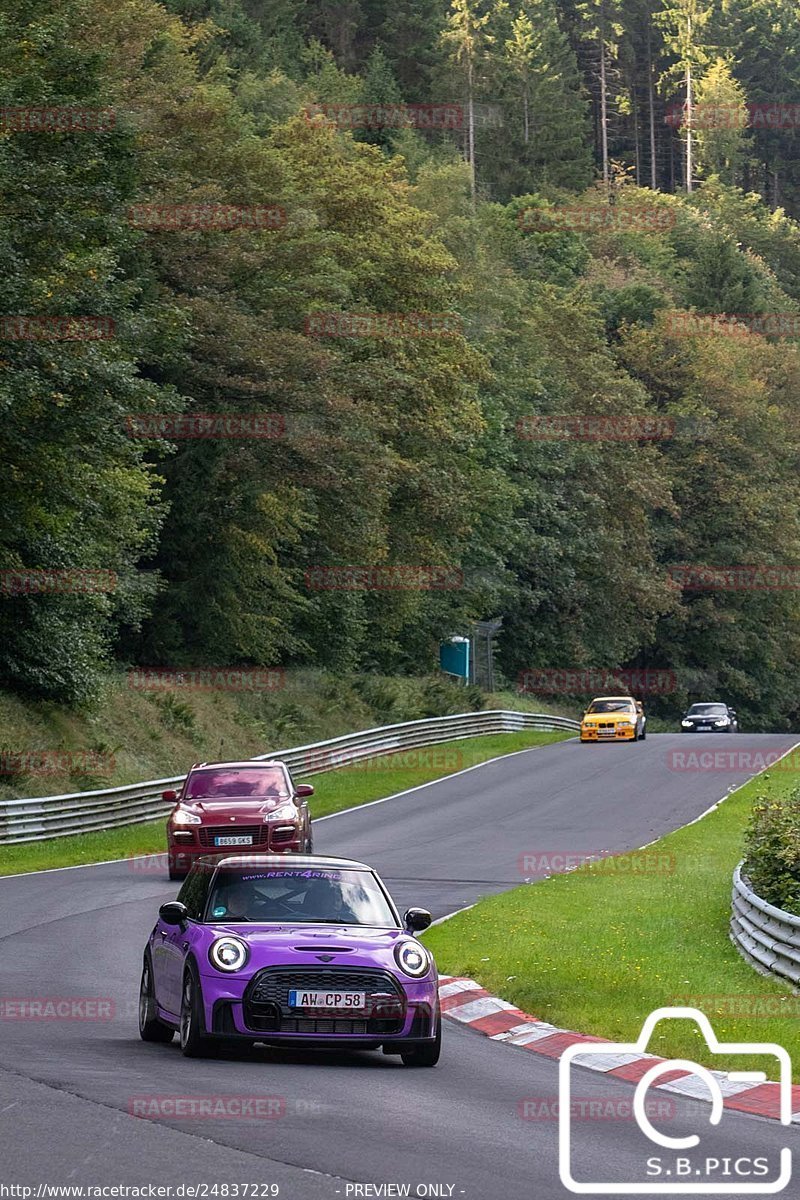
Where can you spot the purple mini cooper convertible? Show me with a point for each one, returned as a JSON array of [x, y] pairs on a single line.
[[293, 951]]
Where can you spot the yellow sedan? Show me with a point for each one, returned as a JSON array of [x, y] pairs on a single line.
[[613, 719]]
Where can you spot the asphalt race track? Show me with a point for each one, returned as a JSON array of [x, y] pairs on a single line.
[[66, 1087]]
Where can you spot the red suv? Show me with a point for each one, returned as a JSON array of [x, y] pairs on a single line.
[[227, 806]]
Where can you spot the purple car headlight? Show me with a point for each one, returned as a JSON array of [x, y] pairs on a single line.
[[412, 959], [228, 954]]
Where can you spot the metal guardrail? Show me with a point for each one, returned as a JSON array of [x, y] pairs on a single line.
[[766, 936], [80, 812]]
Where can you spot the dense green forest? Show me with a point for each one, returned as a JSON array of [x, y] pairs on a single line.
[[570, 206]]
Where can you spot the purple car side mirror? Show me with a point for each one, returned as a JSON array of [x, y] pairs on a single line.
[[416, 919], [173, 913]]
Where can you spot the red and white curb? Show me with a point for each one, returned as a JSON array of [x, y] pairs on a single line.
[[465, 1001]]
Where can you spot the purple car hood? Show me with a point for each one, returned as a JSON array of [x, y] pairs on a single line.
[[339, 945]]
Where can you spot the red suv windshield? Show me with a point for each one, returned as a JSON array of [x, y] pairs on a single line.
[[259, 782]]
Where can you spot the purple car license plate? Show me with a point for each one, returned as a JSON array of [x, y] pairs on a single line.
[[298, 999], [241, 840]]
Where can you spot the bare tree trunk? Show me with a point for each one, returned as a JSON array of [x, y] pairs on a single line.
[[651, 104], [637, 155], [688, 129], [471, 134], [526, 114], [603, 104], [689, 104]]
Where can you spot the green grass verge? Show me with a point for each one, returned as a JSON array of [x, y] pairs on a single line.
[[343, 788], [598, 949]]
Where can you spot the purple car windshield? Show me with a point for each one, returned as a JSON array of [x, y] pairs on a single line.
[[300, 895], [227, 782]]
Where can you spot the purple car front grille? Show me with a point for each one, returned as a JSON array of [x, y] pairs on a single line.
[[266, 1006]]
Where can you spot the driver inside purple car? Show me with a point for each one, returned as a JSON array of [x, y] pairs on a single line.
[[272, 900], [324, 902], [238, 900]]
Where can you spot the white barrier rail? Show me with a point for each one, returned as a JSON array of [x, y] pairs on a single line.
[[766, 936], [79, 812]]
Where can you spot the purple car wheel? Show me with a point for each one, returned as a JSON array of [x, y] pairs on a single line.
[[426, 1054], [151, 1029], [194, 1043]]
